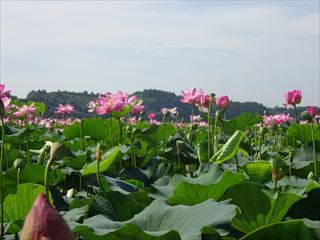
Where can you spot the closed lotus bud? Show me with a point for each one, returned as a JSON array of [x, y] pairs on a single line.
[[43, 222], [19, 163], [276, 166], [310, 175], [98, 153], [71, 192]]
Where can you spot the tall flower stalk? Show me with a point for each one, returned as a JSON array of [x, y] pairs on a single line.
[[1, 167]]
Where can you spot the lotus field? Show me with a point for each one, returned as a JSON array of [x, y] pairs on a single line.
[[127, 175]]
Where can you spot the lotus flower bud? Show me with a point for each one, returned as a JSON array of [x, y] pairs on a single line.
[[71, 192], [19, 163], [98, 153], [44, 222]]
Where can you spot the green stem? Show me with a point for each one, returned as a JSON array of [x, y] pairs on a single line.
[[209, 129], [81, 126], [237, 163], [191, 130], [215, 144], [295, 113], [18, 176], [314, 150], [1, 166], [46, 176], [120, 130], [28, 153]]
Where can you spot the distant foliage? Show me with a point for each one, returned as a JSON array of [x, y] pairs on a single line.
[[153, 99]]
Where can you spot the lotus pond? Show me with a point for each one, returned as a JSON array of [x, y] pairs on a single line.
[[112, 177]]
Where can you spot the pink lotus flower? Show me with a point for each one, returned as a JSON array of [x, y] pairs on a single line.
[[189, 96], [154, 122], [44, 222], [293, 97], [64, 109], [137, 108], [203, 100], [132, 120], [6, 102], [223, 102], [92, 105], [152, 116], [108, 102], [4, 93], [195, 118], [25, 111], [278, 119], [196, 97], [312, 110], [172, 111]]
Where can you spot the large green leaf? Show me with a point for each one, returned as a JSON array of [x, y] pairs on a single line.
[[241, 122], [303, 132], [97, 128], [190, 194], [158, 219], [107, 160], [72, 131], [259, 208], [229, 149], [118, 206], [163, 187], [297, 229], [16, 206], [126, 232]]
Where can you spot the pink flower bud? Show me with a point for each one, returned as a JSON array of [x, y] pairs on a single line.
[[44, 222], [222, 102], [312, 110], [293, 97]]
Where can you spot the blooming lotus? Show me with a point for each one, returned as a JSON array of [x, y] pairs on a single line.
[[92, 105], [223, 102], [25, 111], [108, 102], [172, 111], [44, 222], [195, 118], [293, 97], [64, 109], [278, 119], [196, 97]]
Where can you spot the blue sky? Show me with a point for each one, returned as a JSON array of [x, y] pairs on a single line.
[[249, 50]]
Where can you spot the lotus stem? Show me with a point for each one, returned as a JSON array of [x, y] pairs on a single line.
[[314, 151], [46, 176], [1, 166], [209, 129]]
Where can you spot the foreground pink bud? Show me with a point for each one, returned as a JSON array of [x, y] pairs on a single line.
[[43, 222]]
